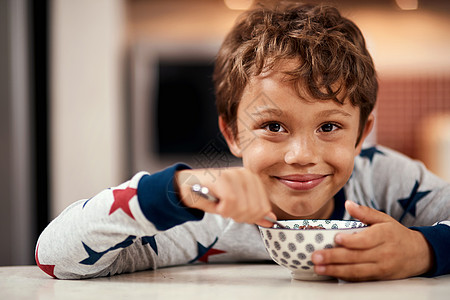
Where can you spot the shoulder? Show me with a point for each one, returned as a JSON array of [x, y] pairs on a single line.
[[382, 171], [382, 164], [392, 182], [375, 156], [385, 165]]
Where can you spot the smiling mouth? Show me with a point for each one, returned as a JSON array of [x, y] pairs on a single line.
[[302, 182]]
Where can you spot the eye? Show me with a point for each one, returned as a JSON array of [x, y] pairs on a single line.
[[274, 127], [328, 127]]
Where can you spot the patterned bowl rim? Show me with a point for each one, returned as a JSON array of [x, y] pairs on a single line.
[[317, 220]]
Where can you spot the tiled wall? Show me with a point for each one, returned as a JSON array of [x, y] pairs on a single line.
[[404, 103]]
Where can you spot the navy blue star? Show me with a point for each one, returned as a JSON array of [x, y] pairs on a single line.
[[95, 256], [202, 250], [150, 240], [84, 204], [409, 204], [370, 152]]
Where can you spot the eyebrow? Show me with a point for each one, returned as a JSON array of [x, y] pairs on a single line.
[[278, 112], [267, 111], [331, 112]]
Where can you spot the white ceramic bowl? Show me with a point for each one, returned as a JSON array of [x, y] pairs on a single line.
[[292, 247]]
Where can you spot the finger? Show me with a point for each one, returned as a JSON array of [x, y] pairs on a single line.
[[350, 272], [265, 221], [344, 256], [242, 208], [368, 238], [366, 214], [193, 200], [230, 207], [252, 203], [255, 216]]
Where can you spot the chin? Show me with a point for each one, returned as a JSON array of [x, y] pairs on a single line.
[[297, 212], [308, 208]]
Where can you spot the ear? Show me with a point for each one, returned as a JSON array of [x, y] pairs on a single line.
[[232, 141], [367, 129]]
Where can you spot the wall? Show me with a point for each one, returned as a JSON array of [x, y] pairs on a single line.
[[411, 52], [86, 105], [405, 42], [16, 202]]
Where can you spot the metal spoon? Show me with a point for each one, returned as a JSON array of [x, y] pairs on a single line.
[[203, 191]]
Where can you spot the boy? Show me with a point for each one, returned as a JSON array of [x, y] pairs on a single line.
[[295, 87]]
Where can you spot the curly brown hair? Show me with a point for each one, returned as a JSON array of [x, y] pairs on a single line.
[[334, 62]]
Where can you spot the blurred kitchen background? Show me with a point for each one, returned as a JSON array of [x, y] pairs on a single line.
[[93, 91]]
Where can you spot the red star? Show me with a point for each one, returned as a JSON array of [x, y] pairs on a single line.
[[210, 252], [49, 269], [122, 199]]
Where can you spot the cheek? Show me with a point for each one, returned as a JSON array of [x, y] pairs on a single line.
[[341, 157], [258, 155]]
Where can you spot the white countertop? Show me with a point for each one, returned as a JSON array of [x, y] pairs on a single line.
[[212, 281]]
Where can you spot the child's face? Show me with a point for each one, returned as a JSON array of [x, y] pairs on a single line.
[[302, 150]]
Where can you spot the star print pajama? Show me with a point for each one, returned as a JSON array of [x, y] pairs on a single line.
[[142, 225]]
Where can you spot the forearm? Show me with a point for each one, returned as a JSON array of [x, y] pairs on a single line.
[[86, 238], [114, 231], [438, 239]]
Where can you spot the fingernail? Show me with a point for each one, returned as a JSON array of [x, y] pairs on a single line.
[[317, 258], [351, 203], [320, 269], [338, 238]]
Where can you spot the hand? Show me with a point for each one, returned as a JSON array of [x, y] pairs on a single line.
[[385, 250], [241, 194]]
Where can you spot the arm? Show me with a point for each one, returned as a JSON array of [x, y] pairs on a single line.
[[144, 224], [385, 250], [87, 239], [438, 238], [410, 238]]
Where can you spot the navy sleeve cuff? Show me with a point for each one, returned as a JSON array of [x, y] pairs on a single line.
[[160, 202], [438, 237]]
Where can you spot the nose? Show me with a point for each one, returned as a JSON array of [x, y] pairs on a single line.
[[301, 150]]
